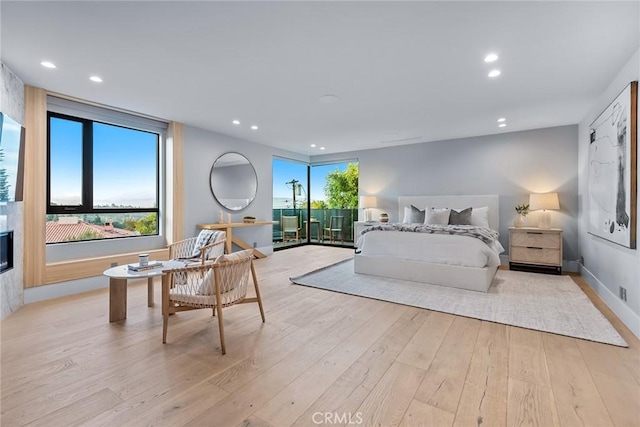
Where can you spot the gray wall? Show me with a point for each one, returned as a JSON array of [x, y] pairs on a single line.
[[607, 265], [12, 214], [201, 149], [511, 165]]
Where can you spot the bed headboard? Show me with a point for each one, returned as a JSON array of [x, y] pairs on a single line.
[[455, 202]]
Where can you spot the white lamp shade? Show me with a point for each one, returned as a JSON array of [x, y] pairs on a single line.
[[544, 201], [367, 202]]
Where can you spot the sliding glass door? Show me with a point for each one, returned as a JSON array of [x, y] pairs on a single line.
[[315, 203], [290, 202]]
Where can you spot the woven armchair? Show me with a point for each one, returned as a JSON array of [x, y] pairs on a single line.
[[212, 285], [184, 249]]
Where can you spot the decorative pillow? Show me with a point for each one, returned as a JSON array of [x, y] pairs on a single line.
[[460, 218], [206, 286], [479, 216], [413, 215], [247, 253], [437, 216], [407, 215], [203, 239]]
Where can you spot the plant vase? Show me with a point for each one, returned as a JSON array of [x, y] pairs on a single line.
[[519, 221]]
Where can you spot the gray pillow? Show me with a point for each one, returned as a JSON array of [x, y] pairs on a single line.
[[460, 218], [417, 216], [204, 238]]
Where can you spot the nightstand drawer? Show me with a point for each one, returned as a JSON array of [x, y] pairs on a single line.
[[535, 239], [535, 255]]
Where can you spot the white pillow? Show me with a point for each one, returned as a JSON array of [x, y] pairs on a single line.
[[234, 256], [437, 216], [206, 286], [479, 216], [407, 215]]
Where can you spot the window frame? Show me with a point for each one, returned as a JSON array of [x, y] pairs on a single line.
[[86, 207]]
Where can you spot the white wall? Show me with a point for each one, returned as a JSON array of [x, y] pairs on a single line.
[[607, 265], [201, 149], [511, 165]]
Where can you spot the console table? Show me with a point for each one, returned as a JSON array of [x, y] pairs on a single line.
[[228, 228]]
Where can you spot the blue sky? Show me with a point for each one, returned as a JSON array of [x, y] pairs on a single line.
[[284, 171], [124, 164]]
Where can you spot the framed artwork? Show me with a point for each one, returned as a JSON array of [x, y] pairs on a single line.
[[613, 173]]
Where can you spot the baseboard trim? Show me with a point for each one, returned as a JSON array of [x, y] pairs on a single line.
[[41, 293], [624, 313]]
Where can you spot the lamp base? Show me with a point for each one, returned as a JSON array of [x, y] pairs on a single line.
[[367, 214], [544, 221]]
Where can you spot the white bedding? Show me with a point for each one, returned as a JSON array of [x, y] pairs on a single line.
[[433, 248]]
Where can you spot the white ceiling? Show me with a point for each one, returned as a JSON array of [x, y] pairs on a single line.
[[401, 70]]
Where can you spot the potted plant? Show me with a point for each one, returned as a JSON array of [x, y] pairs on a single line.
[[522, 211]]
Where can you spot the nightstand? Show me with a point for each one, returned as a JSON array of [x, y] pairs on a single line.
[[535, 249]]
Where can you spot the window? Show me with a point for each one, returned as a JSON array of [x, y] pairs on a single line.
[[289, 202], [322, 199], [103, 180]]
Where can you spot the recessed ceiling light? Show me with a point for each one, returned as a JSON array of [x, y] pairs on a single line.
[[322, 148], [95, 79], [236, 122], [502, 119], [494, 73], [48, 64], [502, 125], [313, 145], [490, 57], [254, 127], [328, 99]]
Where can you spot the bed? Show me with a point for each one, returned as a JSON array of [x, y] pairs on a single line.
[[457, 261]]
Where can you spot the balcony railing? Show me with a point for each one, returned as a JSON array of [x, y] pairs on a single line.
[[320, 219]]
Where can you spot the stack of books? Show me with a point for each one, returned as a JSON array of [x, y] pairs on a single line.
[[150, 266]]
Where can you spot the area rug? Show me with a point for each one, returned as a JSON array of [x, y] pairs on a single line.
[[529, 300]]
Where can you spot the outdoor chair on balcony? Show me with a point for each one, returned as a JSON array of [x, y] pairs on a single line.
[[335, 229], [290, 229], [207, 245], [212, 285]]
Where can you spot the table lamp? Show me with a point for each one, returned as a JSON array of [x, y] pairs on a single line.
[[544, 202], [368, 202]]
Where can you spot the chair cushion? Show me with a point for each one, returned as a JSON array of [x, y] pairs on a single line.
[[181, 295]]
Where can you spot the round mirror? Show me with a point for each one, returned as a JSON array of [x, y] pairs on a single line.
[[233, 181]]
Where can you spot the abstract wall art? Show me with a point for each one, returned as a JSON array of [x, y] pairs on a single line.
[[612, 195]]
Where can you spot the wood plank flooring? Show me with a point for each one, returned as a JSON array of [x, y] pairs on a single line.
[[321, 358]]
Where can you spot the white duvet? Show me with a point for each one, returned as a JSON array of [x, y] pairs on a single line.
[[434, 248]]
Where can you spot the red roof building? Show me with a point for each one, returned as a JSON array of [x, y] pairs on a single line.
[[62, 231]]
